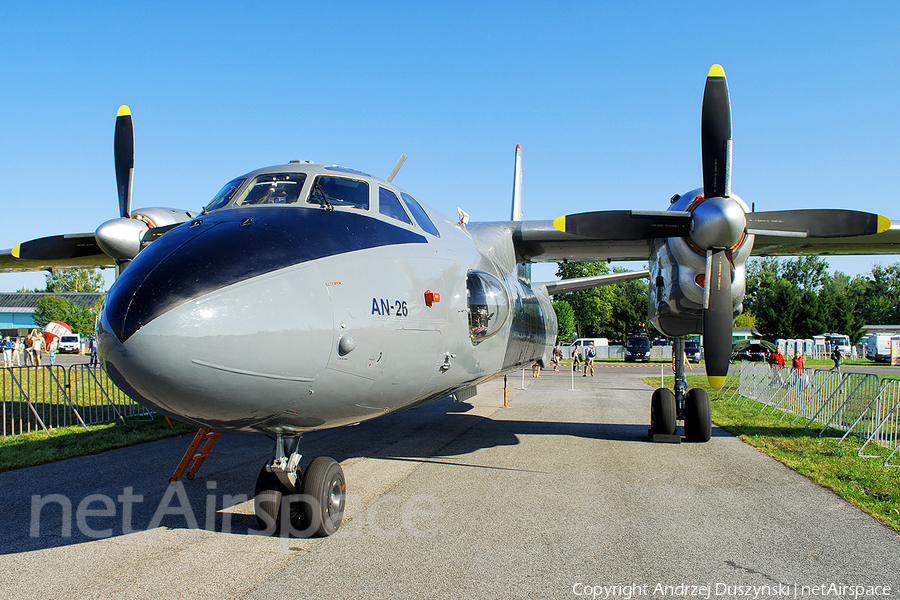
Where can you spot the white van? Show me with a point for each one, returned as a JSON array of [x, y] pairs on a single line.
[[878, 347], [70, 344], [581, 343]]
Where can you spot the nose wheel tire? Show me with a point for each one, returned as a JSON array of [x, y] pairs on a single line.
[[267, 500], [325, 488], [697, 416], [662, 412]]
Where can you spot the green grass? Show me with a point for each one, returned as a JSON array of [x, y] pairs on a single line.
[[864, 482], [32, 449]]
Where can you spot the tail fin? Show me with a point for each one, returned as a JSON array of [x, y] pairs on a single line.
[[517, 188]]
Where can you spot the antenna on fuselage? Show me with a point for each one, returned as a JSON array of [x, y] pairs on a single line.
[[396, 170], [516, 214]]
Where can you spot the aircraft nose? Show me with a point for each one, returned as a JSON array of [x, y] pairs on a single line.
[[203, 255]]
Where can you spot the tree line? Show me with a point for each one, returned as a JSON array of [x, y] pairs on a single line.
[[80, 317], [785, 298]]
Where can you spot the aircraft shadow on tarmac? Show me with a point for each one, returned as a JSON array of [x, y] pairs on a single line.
[[95, 497]]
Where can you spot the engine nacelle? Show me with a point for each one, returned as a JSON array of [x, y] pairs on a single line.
[[678, 271], [121, 238]]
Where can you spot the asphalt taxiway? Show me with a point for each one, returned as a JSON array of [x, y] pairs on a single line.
[[550, 498]]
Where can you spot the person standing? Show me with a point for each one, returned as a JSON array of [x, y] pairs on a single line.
[[29, 353], [797, 363], [18, 347], [776, 359], [95, 361], [7, 352], [37, 347]]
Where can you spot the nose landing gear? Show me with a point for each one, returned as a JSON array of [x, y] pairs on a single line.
[[290, 502]]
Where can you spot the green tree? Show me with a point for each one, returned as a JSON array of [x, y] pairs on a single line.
[[74, 281], [629, 313], [878, 296], [565, 316], [593, 307], [80, 317], [839, 308], [745, 319]]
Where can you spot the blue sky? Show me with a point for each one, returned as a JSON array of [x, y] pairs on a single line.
[[604, 99]]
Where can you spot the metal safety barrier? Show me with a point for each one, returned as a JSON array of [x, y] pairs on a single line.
[[856, 403], [48, 397]]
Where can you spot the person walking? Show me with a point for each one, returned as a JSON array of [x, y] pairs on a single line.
[[837, 357], [589, 359]]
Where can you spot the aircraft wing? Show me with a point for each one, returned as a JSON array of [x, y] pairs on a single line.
[[78, 250], [586, 283]]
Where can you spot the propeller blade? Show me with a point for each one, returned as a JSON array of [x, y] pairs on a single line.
[[124, 155], [816, 223], [715, 135], [718, 317], [58, 248], [626, 224]]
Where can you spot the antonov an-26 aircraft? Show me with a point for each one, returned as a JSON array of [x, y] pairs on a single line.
[[361, 300]]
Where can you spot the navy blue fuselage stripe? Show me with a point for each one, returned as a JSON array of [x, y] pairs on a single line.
[[232, 245]]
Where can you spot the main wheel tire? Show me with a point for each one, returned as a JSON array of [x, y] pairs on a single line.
[[662, 412], [325, 488], [697, 416]]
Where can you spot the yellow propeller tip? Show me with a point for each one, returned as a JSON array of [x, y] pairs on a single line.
[[716, 71], [124, 111], [16, 250], [560, 223], [716, 381], [883, 223]]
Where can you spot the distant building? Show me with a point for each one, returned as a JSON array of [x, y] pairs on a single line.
[[744, 333], [16, 310], [891, 329]]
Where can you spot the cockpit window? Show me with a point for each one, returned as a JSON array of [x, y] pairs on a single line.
[[488, 305], [225, 194], [273, 188], [332, 192], [419, 213], [389, 204]]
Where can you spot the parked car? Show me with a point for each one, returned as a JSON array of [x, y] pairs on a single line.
[[692, 350]]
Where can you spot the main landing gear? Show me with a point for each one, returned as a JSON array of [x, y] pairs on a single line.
[[667, 408], [290, 502]]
